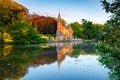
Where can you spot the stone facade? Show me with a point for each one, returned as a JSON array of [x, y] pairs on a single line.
[[63, 32]]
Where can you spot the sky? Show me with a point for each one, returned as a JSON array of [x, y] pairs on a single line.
[[70, 10]]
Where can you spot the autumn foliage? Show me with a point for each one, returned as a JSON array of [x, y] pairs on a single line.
[[44, 25]]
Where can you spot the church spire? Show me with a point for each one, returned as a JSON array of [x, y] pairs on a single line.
[[59, 16]]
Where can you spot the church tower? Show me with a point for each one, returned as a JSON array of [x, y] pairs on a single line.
[[59, 21], [63, 31], [59, 34]]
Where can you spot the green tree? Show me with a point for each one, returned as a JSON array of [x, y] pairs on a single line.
[[112, 29], [110, 58], [98, 29], [10, 11], [87, 29], [109, 46], [23, 32], [91, 30], [77, 29]]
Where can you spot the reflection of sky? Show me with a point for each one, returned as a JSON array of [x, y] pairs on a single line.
[[71, 10], [85, 67]]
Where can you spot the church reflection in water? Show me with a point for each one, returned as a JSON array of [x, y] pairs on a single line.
[[53, 54], [16, 59], [62, 50]]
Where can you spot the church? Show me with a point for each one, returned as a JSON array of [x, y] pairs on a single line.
[[63, 31]]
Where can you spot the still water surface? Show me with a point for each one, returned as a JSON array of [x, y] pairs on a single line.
[[59, 61]]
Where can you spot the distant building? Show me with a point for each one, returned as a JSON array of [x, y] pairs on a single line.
[[63, 32]]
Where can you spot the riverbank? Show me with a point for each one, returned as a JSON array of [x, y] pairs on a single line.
[[69, 40]]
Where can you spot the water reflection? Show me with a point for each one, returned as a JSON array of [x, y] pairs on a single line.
[[55, 52], [50, 61], [14, 60], [62, 50]]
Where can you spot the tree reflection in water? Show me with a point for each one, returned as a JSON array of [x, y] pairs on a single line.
[[51, 54], [16, 59], [58, 51]]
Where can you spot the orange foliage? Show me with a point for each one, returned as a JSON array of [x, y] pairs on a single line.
[[45, 25]]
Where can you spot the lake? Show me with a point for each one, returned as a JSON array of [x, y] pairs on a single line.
[[56, 61]]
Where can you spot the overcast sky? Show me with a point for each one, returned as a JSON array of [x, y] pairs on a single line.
[[70, 10]]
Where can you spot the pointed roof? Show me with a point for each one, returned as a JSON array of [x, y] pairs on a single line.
[[59, 15]]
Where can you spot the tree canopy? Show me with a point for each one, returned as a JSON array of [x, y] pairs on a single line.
[[14, 22], [10, 11], [112, 30], [44, 25]]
